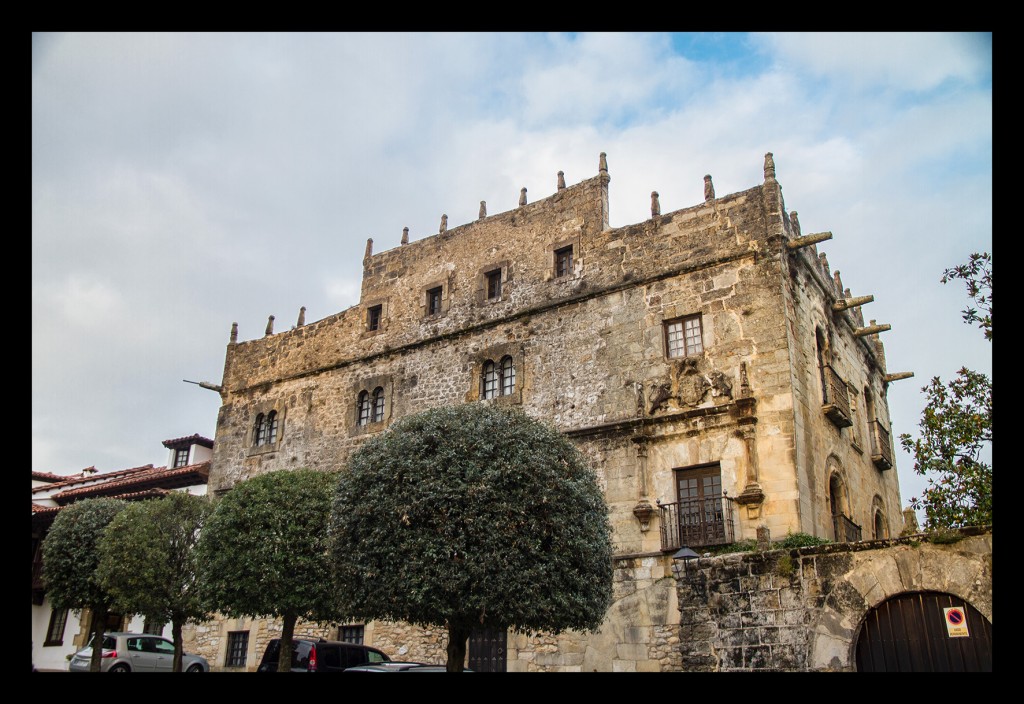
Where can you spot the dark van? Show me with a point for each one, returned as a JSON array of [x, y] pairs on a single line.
[[309, 655]]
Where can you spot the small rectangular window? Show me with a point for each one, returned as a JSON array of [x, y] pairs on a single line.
[[153, 628], [55, 632], [434, 301], [373, 315], [351, 634], [493, 284], [238, 644], [181, 458], [684, 337], [563, 261]]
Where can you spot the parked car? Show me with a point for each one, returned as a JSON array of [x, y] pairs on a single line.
[[401, 667], [319, 655], [136, 652]]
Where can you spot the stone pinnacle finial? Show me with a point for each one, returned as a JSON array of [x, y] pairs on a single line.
[[405, 235], [603, 163], [483, 209], [794, 221], [824, 264], [561, 180], [655, 205], [839, 282], [709, 188], [744, 381], [270, 326], [522, 196], [444, 224], [234, 332], [302, 317], [769, 167], [369, 248]]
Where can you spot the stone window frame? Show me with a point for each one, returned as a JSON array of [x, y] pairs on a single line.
[[275, 432], [443, 302], [237, 648], [380, 304], [878, 515], [495, 354], [352, 633], [682, 320], [575, 270], [483, 277], [369, 386], [855, 437]]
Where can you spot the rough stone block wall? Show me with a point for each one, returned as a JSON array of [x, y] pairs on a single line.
[[800, 610]]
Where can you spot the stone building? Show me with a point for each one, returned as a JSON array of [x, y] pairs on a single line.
[[716, 372]]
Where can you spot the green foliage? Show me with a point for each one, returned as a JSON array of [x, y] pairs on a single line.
[[148, 561], [977, 276], [263, 550], [472, 516], [955, 428], [71, 554], [71, 560], [784, 565], [801, 540], [944, 536]]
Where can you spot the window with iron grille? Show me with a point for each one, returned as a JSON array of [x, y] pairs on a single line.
[[259, 432], [55, 631], [684, 337], [563, 261], [181, 457], [493, 284], [153, 628], [378, 404], [351, 634], [272, 427], [373, 316], [238, 644], [508, 376], [434, 301]]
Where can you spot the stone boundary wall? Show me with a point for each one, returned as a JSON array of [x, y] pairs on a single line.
[[801, 610]]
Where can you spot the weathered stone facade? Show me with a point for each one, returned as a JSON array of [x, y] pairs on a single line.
[[579, 317], [801, 610]]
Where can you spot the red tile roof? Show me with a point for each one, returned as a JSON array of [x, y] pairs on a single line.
[[179, 443], [48, 476], [147, 479], [99, 476]]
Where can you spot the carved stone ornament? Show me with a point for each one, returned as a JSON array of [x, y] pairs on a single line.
[[692, 389], [660, 393], [720, 385], [643, 512]]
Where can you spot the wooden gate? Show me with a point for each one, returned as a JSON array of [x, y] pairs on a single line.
[[487, 650], [910, 633]]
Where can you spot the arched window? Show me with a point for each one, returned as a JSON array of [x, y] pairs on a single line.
[[272, 427], [259, 431], [879, 525], [508, 376], [378, 404], [363, 408], [879, 528], [490, 380]]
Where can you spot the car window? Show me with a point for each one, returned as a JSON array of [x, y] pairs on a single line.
[[164, 647], [374, 656], [329, 657], [135, 645]]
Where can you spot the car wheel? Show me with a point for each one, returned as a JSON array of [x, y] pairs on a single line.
[[194, 668], [120, 667]]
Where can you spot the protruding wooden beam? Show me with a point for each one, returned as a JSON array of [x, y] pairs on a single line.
[[896, 376], [871, 330], [808, 240], [844, 303]]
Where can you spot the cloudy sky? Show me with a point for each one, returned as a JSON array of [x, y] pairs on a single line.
[[182, 182]]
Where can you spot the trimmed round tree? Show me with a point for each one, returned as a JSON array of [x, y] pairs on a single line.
[[148, 561], [71, 559], [468, 517], [263, 551]]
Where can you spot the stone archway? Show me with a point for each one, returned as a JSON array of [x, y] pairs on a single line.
[[870, 577]]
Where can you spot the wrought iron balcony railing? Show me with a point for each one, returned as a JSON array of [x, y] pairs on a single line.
[[846, 531], [881, 446], [697, 522], [836, 403]]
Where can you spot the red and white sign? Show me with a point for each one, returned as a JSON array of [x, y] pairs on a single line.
[[956, 622]]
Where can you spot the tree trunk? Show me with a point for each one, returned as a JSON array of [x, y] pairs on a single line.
[[284, 659], [176, 637], [99, 620], [457, 639]]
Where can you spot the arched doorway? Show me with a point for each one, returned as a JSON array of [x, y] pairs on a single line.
[[910, 633]]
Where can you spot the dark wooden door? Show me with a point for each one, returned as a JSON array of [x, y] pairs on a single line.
[[487, 650], [909, 633]]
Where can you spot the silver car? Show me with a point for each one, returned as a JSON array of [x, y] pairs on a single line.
[[136, 652]]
